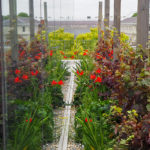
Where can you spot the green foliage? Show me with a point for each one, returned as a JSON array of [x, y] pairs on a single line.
[[87, 40], [23, 14], [135, 14], [6, 17], [61, 40]]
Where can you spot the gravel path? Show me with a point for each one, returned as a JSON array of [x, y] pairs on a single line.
[[64, 117]]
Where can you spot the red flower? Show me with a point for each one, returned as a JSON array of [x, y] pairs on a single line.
[[78, 72], [37, 57], [65, 57], [30, 120], [81, 73], [60, 82], [86, 50], [86, 120], [17, 71], [54, 82], [72, 57], [111, 52], [34, 73], [98, 70], [22, 53], [92, 77], [26, 120], [51, 53], [91, 120], [76, 52], [90, 86], [99, 79], [25, 77], [61, 52], [104, 58], [17, 80], [40, 53], [84, 54]]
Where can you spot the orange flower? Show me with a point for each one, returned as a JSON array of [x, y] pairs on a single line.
[[25, 77]]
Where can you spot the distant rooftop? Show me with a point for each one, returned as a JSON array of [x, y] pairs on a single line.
[[131, 20], [76, 23], [21, 21]]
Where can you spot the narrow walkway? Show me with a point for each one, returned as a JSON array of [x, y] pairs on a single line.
[[64, 135], [64, 115]]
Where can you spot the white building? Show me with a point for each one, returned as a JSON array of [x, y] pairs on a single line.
[[23, 28]]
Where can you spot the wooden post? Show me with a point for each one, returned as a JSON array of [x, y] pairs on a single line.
[[13, 31], [106, 20], [143, 22], [117, 19], [3, 83], [46, 22], [31, 12], [100, 20]]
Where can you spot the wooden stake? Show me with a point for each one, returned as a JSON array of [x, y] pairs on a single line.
[[117, 19], [106, 20], [13, 31], [32, 24], [46, 22], [3, 81], [100, 20], [143, 22]]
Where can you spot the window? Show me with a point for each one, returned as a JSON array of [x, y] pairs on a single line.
[[23, 29]]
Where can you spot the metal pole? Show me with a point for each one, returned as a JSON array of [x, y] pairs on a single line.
[[13, 32], [143, 22], [46, 22], [117, 18], [31, 12], [99, 20], [3, 79]]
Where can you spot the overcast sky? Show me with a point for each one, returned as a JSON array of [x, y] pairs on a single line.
[[75, 9]]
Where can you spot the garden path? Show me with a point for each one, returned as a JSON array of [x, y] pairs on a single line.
[[64, 119]]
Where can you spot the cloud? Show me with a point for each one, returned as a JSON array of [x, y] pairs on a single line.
[[71, 8]]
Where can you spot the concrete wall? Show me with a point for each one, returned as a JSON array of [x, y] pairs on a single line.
[[130, 30]]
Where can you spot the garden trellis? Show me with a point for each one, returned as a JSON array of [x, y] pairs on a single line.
[[94, 67]]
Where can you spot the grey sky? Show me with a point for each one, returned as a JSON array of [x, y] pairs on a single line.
[[75, 9]]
